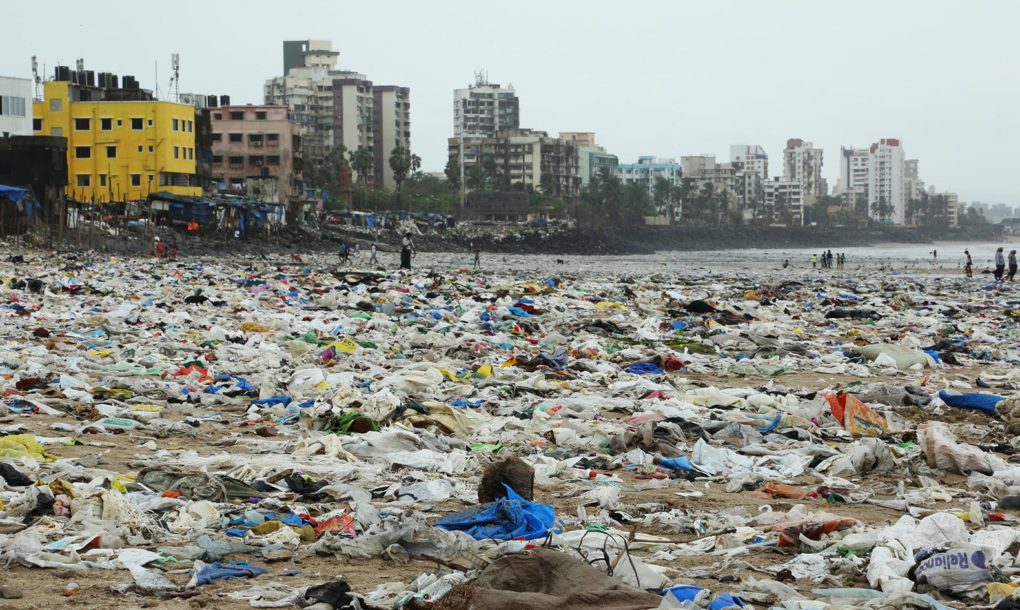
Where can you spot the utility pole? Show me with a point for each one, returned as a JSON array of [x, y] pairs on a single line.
[[463, 187]]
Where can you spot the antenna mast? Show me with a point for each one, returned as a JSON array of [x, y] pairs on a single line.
[[35, 76], [175, 80]]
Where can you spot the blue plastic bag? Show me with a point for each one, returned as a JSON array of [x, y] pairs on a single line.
[[557, 361], [505, 519], [644, 368], [681, 463], [221, 571], [977, 401]]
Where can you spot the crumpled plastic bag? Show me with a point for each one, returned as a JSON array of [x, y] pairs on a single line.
[[943, 451]]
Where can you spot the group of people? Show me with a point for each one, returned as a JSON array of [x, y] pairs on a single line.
[[161, 251], [406, 252], [828, 259], [1001, 262]]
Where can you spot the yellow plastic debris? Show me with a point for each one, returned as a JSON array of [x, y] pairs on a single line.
[[253, 327], [484, 371], [23, 445], [346, 345]]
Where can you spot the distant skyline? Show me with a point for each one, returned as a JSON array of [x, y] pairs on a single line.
[[666, 78]]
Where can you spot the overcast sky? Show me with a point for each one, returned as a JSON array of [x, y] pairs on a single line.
[[660, 77]]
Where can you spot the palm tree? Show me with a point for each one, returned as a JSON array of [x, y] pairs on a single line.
[[362, 163], [403, 163]]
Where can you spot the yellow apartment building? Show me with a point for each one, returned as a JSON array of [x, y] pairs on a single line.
[[121, 144]]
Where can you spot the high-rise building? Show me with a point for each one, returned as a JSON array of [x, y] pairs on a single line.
[[592, 159], [122, 144], [802, 163], [724, 177], [15, 106], [485, 108], [392, 125], [886, 193], [853, 171], [752, 158], [256, 142], [785, 200], [341, 107]]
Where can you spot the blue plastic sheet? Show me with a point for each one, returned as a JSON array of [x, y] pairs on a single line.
[[689, 593], [644, 368], [221, 571], [681, 463], [977, 401], [505, 519], [557, 360]]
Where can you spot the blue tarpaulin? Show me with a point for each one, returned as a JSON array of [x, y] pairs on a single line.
[[505, 519], [976, 401], [13, 193]]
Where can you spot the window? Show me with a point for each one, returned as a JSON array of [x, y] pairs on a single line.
[[136, 123], [83, 124], [237, 160], [12, 106], [235, 137], [191, 153], [273, 160], [57, 132], [136, 180], [82, 180], [273, 137], [150, 147], [174, 125], [237, 116], [56, 104], [150, 122], [255, 139], [120, 123], [111, 152], [140, 148], [217, 137], [82, 152], [36, 124], [217, 159], [217, 116], [106, 124], [177, 153], [260, 116], [102, 179], [190, 126]]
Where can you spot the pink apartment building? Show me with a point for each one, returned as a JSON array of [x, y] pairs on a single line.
[[256, 142]]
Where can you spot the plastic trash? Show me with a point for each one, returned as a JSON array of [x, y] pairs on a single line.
[[505, 519], [975, 401]]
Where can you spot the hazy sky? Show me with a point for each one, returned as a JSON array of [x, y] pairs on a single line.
[[660, 77]]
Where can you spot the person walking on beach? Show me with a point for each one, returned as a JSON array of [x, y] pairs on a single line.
[[1000, 264], [814, 261], [406, 249], [478, 256], [374, 259], [345, 252], [1012, 265], [935, 257], [968, 265], [160, 248]]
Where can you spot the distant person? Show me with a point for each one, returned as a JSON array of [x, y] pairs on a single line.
[[814, 261], [786, 264], [968, 264], [829, 256], [478, 256], [935, 256], [160, 248], [173, 252], [374, 258], [1012, 265], [406, 250], [345, 253], [1000, 264]]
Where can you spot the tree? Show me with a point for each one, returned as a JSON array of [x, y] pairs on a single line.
[[882, 208], [362, 162], [403, 163], [452, 172], [327, 174]]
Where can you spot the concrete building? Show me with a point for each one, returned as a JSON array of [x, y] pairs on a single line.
[[752, 165], [391, 123], [785, 198], [15, 106], [647, 172], [485, 108], [592, 159], [122, 144], [724, 177], [912, 182], [307, 89], [886, 181], [802, 162], [256, 142], [520, 157]]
